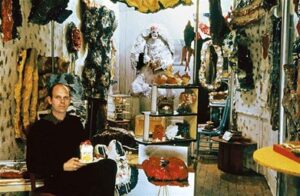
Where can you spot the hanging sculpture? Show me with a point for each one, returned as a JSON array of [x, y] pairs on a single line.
[[151, 6], [26, 92], [11, 18], [98, 25], [218, 25], [43, 11], [274, 93], [291, 98], [236, 49], [248, 12], [187, 50], [211, 66]]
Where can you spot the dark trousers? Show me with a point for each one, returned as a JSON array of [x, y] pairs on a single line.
[[95, 179]]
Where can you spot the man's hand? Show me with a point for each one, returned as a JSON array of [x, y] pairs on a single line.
[[73, 164]]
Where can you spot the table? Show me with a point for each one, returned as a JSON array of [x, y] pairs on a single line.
[[269, 158], [231, 155], [16, 185]]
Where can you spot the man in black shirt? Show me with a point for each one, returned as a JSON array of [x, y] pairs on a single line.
[[53, 151]]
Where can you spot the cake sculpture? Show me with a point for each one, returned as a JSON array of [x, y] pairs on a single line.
[[163, 171], [86, 152]]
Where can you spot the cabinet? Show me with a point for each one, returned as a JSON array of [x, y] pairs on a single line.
[[119, 114], [178, 103]]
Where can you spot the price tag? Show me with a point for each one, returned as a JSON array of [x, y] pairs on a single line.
[[227, 136]]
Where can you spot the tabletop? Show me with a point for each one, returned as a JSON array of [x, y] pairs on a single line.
[[269, 158]]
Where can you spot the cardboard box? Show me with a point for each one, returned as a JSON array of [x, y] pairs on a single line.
[[139, 124]]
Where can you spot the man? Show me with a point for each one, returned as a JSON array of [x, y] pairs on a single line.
[[53, 151]]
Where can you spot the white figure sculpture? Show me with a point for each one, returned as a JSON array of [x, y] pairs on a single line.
[[152, 52]]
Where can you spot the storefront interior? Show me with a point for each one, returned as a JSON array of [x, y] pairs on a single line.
[[220, 79]]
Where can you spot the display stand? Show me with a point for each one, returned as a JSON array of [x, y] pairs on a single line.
[[231, 155]]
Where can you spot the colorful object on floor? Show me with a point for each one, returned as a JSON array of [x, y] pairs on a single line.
[[162, 171], [151, 6]]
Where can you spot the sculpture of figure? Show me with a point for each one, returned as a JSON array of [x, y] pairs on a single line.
[[187, 50], [151, 53], [157, 52]]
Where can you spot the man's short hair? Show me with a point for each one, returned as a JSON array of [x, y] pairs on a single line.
[[50, 90]]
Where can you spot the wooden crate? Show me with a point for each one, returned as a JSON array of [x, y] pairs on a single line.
[[139, 124]]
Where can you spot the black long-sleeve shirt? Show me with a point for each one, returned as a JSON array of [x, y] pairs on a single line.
[[51, 142]]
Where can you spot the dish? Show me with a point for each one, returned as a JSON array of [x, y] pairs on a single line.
[[94, 160]]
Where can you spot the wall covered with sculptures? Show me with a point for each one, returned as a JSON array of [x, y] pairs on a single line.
[[31, 35]]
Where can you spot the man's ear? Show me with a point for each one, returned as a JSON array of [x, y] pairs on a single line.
[[49, 100]]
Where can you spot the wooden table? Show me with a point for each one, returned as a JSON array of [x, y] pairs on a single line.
[[16, 185], [231, 155], [269, 158]]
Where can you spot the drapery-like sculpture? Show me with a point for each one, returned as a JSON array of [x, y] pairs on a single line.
[[151, 6]]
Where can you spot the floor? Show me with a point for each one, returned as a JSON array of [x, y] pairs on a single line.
[[213, 182]]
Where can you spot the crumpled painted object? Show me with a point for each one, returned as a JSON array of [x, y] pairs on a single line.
[[98, 27], [151, 6], [290, 99], [73, 37], [43, 11], [236, 49], [274, 93], [218, 26], [11, 18]]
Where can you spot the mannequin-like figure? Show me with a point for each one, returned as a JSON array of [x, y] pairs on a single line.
[[187, 50], [151, 54], [157, 53]]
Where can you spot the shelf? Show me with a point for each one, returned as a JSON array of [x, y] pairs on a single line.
[[174, 114], [170, 86], [175, 142]]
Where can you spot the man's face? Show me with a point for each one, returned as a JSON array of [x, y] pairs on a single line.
[[60, 99]]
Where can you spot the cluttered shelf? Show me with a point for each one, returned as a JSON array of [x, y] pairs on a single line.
[[175, 141], [175, 113]]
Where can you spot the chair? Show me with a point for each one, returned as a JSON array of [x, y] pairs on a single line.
[[208, 134], [38, 191]]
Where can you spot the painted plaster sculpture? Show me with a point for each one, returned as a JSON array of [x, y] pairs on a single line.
[[187, 51], [11, 18], [274, 93], [98, 27], [218, 25], [248, 12], [43, 11], [151, 6], [151, 53], [211, 66]]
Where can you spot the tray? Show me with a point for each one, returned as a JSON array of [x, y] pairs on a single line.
[[286, 152]]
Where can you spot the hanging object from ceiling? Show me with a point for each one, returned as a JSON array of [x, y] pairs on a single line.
[[43, 11], [11, 18], [218, 25], [151, 6], [247, 12]]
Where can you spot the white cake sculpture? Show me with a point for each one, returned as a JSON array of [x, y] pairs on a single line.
[[86, 152]]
